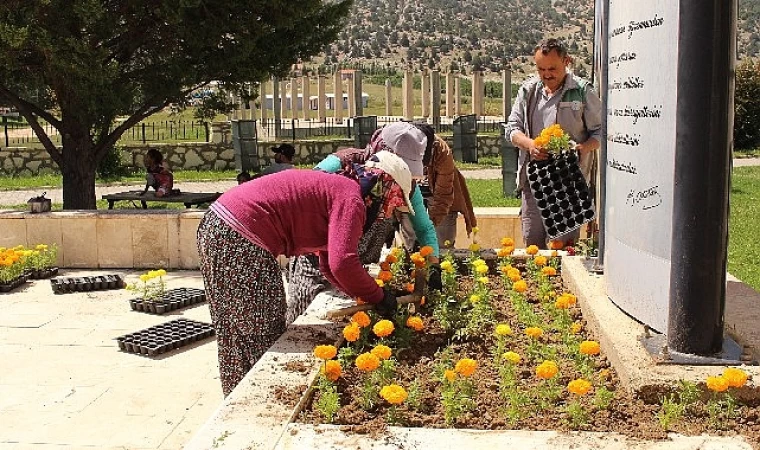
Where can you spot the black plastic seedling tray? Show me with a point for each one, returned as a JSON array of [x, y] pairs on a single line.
[[561, 193], [172, 300], [165, 337], [64, 285], [43, 273], [13, 284]]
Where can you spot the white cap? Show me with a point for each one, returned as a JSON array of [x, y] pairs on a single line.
[[394, 166], [408, 142]]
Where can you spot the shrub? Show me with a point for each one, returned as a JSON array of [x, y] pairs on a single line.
[[747, 105]]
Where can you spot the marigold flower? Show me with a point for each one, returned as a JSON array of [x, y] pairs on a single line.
[[571, 299], [383, 328], [409, 287], [532, 249], [576, 327], [483, 280], [447, 243], [474, 298], [504, 252], [382, 352], [380, 283], [367, 362], [548, 271], [144, 278], [361, 318], [447, 266], [503, 329], [547, 369], [351, 332], [332, 370], [475, 230], [479, 262], [385, 276], [561, 303], [385, 265], [325, 351], [534, 332], [520, 286], [390, 258], [161, 272], [359, 301], [422, 301], [466, 367], [605, 374], [589, 348], [426, 251], [474, 247], [415, 323], [393, 394], [540, 260], [507, 242], [417, 259], [555, 245], [735, 377], [514, 274], [717, 384], [512, 357], [450, 375], [579, 387], [41, 247], [481, 269]]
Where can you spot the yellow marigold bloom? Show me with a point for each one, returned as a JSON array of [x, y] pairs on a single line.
[[361, 318], [385, 275], [415, 323], [381, 351], [590, 348], [579, 387], [503, 329], [483, 280], [161, 272], [512, 357], [514, 274], [549, 271], [325, 351], [475, 230], [520, 286], [332, 370], [507, 242], [554, 253], [450, 375], [479, 262], [367, 362], [351, 332], [474, 298], [395, 251], [540, 260], [532, 249], [447, 243], [447, 266], [735, 377], [481, 269], [393, 394], [576, 327], [466, 367], [605, 374], [561, 303], [717, 384], [547, 369], [383, 328], [426, 251], [474, 247], [541, 141], [145, 278], [380, 282], [571, 299], [534, 332]]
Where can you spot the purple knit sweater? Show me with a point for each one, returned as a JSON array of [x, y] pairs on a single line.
[[303, 211]]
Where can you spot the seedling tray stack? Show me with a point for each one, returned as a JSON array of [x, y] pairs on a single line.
[[165, 337], [172, 300], [561, 193], [64, 285]]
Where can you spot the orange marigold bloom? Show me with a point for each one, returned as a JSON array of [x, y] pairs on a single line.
[[393, 394], [422, 300], [381, 351], [514, 274], [547, 369], [325, 351], [426, 251], [520, 286], [571, 299], [390, 258], [532, 249], [351, 332], [359, 301], [361, 318], [409, 287], [415, 323], [385, 276], [534, 332], [579, 387], [417, 259], [717, 384], [332, 370], [504, 252], [590, 348], [385, 265], [383, 328], [450, 375], [735, 377], [540, 260], [507, 242], [466, 367], [561, 303], [367, 362], [549, 271], [555, 245]]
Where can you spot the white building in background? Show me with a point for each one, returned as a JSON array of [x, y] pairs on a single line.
[[314, 101]]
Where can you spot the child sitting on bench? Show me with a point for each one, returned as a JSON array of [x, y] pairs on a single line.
[[159, 177]]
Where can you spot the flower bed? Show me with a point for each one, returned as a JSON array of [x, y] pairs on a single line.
[[504, 348], [18, 264]]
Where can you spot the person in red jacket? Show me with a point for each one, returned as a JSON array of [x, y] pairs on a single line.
[[290, 213]]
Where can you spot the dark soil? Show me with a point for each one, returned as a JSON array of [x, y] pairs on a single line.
[[628, 414]]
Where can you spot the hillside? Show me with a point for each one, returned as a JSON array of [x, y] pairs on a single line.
[[478, 34]]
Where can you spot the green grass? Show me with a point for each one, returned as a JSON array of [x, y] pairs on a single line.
[[14, 183], [747, 153], [744, 226], [488, 193]]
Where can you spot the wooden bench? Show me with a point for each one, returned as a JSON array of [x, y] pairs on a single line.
[[187, 198]]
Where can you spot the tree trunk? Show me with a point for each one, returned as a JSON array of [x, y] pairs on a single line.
[[78, 171]]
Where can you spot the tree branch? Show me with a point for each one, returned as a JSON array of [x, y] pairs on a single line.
[[30, 113], [18, 102]]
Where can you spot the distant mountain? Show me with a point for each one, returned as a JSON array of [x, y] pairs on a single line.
[[479, 34]]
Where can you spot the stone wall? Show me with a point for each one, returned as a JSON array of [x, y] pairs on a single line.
[[201, 155]]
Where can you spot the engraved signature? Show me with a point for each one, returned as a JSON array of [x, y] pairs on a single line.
[[648, 198]]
